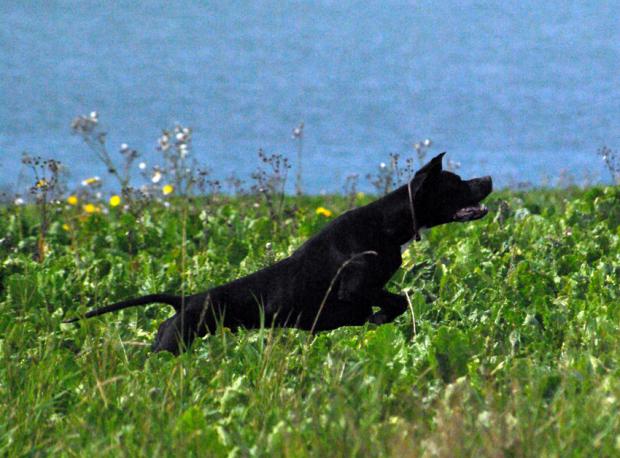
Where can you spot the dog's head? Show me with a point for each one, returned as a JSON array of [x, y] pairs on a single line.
[[440, 197]]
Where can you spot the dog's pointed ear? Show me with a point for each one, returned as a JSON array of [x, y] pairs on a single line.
[[436, 161], [434, 165], [431, 167]]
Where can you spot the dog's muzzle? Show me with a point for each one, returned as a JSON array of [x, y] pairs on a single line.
[[471, 213], [481, 188]]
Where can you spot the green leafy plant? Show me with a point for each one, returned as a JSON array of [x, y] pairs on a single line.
[[515, 348], [46, 190]]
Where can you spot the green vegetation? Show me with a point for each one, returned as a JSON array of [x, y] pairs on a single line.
[[511, 347]]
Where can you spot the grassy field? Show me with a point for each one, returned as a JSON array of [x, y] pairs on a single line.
[[512, 346]]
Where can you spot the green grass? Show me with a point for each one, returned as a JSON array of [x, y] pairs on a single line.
[[515, 352]]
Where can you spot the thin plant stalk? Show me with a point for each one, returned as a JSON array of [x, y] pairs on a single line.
[[298, 135]]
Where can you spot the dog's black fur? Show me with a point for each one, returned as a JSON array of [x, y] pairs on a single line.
[[336, 277]]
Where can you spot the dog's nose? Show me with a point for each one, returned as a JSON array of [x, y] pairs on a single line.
[[481, 187], [487, 184]]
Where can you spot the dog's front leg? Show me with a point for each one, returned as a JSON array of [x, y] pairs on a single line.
[[392, 306], [177, 333], [356, 286]]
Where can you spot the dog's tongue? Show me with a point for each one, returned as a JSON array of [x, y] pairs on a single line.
[[471, 213]]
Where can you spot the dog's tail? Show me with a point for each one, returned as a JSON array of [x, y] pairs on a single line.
[[175, 301]]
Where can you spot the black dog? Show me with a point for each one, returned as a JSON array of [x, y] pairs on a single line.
[[337, 276]]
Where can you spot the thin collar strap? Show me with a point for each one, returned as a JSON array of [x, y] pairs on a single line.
[[416, 234]]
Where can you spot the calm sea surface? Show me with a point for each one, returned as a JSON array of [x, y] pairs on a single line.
[[518, 90]]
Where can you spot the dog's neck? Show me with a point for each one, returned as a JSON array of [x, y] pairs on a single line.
[[398, 221]]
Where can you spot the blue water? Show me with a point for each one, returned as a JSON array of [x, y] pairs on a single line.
[[518, 90]]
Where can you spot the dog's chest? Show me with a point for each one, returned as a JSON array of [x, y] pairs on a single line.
[[404, 247]]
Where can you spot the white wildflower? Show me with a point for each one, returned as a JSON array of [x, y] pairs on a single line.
[[485, 418], [142, 165], [156, 178], [164, 142], [18, 201]]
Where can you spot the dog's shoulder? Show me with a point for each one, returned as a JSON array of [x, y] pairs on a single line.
[[352, 228], [353, 222]]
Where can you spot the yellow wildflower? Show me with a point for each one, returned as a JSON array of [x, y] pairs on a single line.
[[167, 189], [41, 183], [91, 208], [360, 195], [66, 227], [115, 201], [72, 199], [324, 211], [91, 181]]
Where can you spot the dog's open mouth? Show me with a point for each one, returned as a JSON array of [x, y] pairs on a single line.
[[471, 213]]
